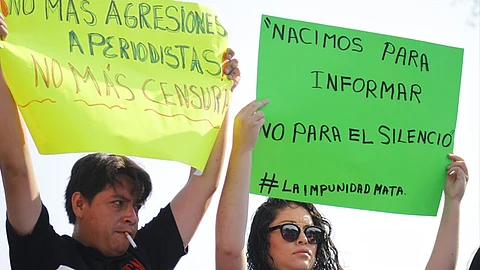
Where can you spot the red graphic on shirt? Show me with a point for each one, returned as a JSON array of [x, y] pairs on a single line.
[[134, 265]]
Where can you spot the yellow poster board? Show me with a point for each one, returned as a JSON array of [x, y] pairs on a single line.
[[127, 77]]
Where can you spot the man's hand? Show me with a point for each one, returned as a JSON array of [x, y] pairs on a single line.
[[3, 28], [231, 67]]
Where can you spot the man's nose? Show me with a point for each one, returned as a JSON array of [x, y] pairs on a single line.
[[131, 215]]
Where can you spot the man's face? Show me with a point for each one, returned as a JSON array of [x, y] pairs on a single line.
[[111, 213]]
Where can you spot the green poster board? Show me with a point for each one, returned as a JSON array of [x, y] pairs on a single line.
[[355, 119]]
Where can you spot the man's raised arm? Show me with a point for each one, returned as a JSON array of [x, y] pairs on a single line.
[[191, 203], [21, 190]]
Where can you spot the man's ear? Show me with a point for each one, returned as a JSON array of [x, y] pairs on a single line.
[[79, 203]]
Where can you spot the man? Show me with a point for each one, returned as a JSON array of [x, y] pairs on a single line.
[[102, 200]]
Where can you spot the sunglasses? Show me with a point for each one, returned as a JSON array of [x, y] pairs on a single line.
[[290, 232]]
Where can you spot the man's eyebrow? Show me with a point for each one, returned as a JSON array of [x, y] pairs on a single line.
[[119, 196]]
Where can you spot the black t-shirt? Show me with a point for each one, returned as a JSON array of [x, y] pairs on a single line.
[[160, 247]]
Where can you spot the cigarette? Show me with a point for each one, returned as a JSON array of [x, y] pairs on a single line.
[[130, 239]]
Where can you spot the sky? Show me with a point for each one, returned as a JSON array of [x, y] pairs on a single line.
[[364, 239]]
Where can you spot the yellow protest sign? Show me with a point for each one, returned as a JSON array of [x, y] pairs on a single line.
[[126, 77]]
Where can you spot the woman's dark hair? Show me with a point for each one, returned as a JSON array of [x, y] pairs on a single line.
[[96, 172], [475, 264], [258, 257]]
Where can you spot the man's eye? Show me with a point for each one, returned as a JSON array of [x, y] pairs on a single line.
[[118, 202], [137, 207]]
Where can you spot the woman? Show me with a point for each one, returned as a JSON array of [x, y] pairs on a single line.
[[292, 235]]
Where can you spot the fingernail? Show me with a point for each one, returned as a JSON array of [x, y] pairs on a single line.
[[227, 70]]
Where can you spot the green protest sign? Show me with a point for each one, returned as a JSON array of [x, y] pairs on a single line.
[[355, 119]]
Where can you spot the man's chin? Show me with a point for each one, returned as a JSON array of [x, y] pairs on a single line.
[[117, 251]]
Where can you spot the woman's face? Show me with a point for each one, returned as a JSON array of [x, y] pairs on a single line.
[[296, 255]]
